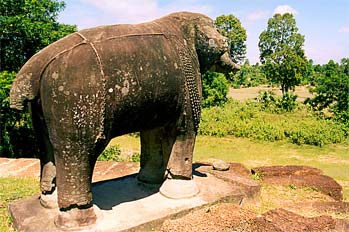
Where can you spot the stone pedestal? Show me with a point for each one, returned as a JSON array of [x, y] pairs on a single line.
[[126, 204]]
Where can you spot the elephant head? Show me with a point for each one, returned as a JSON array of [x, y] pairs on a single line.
[[211, 47]]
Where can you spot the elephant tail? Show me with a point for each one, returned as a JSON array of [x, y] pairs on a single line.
[[26, 85]]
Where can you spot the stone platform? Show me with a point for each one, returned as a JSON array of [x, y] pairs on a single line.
[[124, 204]]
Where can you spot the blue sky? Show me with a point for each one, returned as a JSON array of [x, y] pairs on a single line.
[[324, 23]]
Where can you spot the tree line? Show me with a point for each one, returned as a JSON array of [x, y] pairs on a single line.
[[28, 26]]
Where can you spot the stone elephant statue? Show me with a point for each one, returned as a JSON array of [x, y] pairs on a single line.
[[103, 82]]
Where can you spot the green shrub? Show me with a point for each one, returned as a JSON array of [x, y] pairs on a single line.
[[214, 89], [287, 102], [136, 157], [272, 103], [17, 137], [111, 153], [250, 120]]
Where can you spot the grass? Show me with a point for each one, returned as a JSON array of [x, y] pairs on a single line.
[[332, 159], [293, 199], [12, 189]]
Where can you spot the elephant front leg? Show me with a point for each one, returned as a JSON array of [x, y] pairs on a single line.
[[180, 183], [74, 175], [153, 159]]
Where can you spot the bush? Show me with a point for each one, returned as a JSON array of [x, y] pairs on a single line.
[[250, 120], [136, 157], [112, 153], [287, 102], [215, 88], [248, 76], [17, 138], [272, 103]]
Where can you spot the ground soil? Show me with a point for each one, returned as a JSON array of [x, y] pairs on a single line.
[[244, 94]]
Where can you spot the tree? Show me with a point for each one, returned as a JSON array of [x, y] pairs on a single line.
[[26, 26], [230, 26], [281, 52], [332, 89], [248, 76]]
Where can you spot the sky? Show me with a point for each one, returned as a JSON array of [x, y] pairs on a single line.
[[324, 23]]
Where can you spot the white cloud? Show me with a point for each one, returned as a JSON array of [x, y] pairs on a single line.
[[344, 29], [257, 15], [285, 9]]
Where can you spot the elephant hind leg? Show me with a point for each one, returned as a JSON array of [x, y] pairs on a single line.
[[75, 162], [47, 162]]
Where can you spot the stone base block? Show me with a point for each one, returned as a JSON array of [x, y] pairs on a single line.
[[126, 204]]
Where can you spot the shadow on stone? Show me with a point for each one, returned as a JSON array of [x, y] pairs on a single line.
[[110, 193], [197, 172]]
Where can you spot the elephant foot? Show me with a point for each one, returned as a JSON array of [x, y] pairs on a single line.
[[150, 178], [77, 219], [179, 189], [49, 200]]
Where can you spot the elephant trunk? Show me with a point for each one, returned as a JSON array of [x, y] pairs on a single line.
[[226, 61]]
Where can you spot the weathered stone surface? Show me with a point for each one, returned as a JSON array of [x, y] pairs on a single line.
[[126, 204], [19, 167], [220, 165], [103, 170], [301, 176], [237, 175], [286, 170]]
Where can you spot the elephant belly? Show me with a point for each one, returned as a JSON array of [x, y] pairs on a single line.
[[145, 83]]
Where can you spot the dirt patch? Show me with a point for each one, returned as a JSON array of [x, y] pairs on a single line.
[[285, 221], [229, 217], [219, 217], [244, 94]]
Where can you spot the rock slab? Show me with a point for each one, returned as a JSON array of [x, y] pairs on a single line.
[[124, 204]]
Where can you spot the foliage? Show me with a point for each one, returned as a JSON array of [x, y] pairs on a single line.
[[248, 76], [281, 52], [250, 120], [332, 89], [135, 157], [111, 153], [17, 137], [287, 102], [214, 89], [230, 26], [274, 104], [26, 27]]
